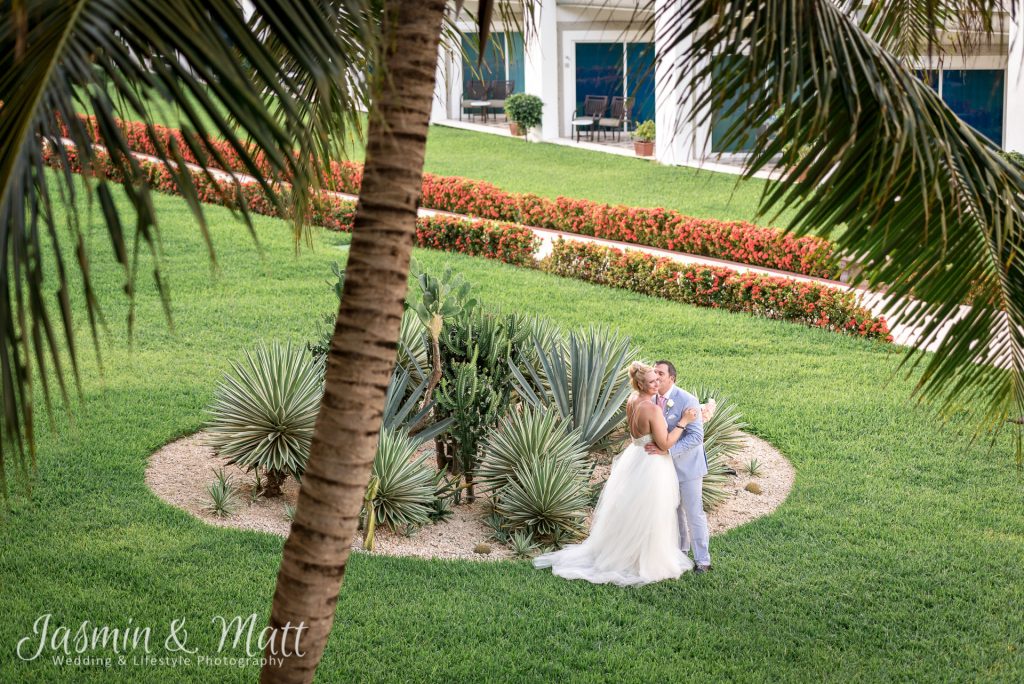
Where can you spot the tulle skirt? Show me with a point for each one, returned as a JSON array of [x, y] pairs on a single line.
[[634, 538]]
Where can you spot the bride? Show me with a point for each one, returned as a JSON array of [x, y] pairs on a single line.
[[634, 538]]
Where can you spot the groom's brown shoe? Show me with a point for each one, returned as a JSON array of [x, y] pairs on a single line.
[[701, 569]]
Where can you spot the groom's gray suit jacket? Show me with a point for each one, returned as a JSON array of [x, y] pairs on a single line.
[[688, 453]]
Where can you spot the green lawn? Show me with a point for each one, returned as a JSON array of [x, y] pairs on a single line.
[[554, 170], [896, 557]]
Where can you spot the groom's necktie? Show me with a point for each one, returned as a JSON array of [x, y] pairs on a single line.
[[661, 401]]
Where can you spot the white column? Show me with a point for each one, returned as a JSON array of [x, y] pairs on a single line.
[[439, 111], [1013, 122], [673, 142], [541, 67]]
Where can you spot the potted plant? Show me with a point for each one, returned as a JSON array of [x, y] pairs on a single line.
[[643, 139], [523, 112]]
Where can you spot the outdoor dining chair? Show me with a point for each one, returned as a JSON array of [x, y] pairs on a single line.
[[474, 98], [497, 92], [617, 118], [593, 110]]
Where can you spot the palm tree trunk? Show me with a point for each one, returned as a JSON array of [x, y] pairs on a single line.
[[363, 347]]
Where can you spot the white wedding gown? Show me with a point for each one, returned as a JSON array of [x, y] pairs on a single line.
[[634, 538]]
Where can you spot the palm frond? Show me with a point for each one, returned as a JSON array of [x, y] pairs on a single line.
[[930, 209], [129, 60]]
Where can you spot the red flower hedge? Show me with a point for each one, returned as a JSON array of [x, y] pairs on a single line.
[[509, 243], [731, 240], [780, 298]]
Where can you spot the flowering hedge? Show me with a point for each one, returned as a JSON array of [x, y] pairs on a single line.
[[506, 242], [780, 298], [731, 240]]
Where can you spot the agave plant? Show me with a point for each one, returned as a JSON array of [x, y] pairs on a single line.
[[587, 383], [404, 488], [522, 544], [403, 411], [723, 439], [262, 416], [412, 346], [525, 436], [222, 493], [548, 499]]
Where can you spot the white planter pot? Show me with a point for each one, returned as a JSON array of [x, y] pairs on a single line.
[[533, 135]]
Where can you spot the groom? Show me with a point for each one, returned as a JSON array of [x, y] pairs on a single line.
[[690, 462]]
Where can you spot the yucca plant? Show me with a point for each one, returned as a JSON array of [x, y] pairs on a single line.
[[548, 499], [404, 411], [522, 544], [723, 439], [412, 346], [524, 436], [263, 414], [222, 495], [754, 468], [587, 382], [405, 492]]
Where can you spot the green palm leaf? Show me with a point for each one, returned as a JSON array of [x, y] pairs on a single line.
[[929, 207], [244, 81]]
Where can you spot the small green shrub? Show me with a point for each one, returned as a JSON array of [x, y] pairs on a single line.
[[524, 436], [1014, 158], [548, 500], [753, 468], [262, 416], [289, 513], [405, 488], [645, 131], [524, 109], [222, 495], [522, 544]]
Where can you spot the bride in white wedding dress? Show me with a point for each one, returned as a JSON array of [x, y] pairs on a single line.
[[634, 538]]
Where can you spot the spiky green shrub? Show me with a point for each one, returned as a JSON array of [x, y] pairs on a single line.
[[522, 544], [221, 491], [587, 381], [263, 413], [524, 436], [723, 439], [548, 500], [404, 410], [405, 488]]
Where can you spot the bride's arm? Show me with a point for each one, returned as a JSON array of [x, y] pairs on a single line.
[[659, 430]]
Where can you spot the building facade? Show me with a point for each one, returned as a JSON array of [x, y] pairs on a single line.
[[608, 47]]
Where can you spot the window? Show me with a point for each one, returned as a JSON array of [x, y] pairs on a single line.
[[503, 59], [617, 70], [974, 95]]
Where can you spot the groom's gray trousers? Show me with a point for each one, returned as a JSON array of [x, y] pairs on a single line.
[[693, 523], [691, 466]]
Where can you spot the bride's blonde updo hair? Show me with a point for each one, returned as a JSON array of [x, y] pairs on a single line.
[[638, 371]]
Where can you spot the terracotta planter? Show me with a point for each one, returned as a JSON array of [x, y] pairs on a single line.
[[643, 148], [514, 127]]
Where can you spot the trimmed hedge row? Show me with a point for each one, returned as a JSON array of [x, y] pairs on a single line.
[[812, 304], [512, 244], [666, 229]]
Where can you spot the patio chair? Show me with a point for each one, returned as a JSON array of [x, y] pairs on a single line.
[[593, 110], [497, 92], [617, 118], [474, 98]]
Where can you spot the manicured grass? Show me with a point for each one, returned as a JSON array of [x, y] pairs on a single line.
[[555, 170], [896, 557]]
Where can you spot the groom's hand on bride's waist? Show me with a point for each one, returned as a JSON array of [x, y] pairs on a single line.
[[653, 449]]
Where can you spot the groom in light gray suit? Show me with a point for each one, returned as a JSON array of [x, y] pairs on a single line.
[[690, 462]]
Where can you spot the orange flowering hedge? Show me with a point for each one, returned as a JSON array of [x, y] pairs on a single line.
[[812, 304], [738, 241], [502, 241]]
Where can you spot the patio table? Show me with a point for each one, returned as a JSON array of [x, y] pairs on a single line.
[[482, 104]]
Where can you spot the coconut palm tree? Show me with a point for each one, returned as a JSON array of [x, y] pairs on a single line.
[[928, 205]]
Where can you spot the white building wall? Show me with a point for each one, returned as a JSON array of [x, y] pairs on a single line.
[[540, 54], [1013, 120]]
